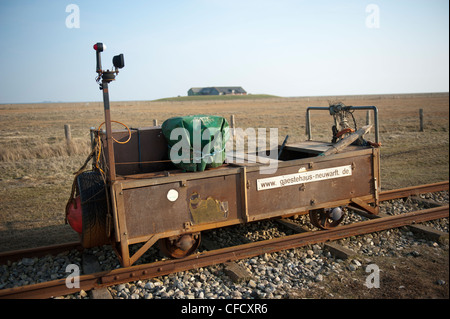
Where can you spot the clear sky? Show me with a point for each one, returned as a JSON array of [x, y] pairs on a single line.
[[280, 47]]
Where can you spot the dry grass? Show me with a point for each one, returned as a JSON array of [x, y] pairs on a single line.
[[36, 165], [14, 150]]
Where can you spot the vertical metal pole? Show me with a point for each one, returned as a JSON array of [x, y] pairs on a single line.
[[308, 125], [375, 122], [109, 140]]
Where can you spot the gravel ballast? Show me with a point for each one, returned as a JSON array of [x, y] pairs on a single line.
[[273, 276]]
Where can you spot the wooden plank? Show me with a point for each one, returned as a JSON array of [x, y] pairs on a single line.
[[101, 293], [67, 133], [237, 273], [335, 249], [426, 231], [339, 146], [90, 266], [430, 233], [291, 225], [309, 147], [428, 202], [339, 251]]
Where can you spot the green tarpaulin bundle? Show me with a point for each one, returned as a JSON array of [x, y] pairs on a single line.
[[196, 142]]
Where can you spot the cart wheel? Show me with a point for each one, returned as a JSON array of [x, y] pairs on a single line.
[[94, 209], [326, 218], [94, 229], [181, 246]]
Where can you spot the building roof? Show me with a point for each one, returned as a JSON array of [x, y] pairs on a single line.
[[230, 89], [220, 89], [196, 90]]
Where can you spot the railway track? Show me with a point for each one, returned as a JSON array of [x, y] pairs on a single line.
[[112, 277]]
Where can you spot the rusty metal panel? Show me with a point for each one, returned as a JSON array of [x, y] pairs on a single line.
[[225, 190], [207, 210], [316, 190], [176, 206], [146, 145], [149, 211]]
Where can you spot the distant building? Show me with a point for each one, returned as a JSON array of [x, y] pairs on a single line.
[[194, 91], [217, 90]]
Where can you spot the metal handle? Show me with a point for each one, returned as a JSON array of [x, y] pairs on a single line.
[[324, 108]]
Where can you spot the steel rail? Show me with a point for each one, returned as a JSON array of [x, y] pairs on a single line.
[[55, 249], [413, 190], [38, 251], [155, 269]]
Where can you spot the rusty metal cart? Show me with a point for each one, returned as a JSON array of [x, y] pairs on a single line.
[[148, 200]]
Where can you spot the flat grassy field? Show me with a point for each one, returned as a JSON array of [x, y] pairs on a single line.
[[36, 165]]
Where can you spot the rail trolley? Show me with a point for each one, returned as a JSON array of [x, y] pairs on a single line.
[[136, 194]]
